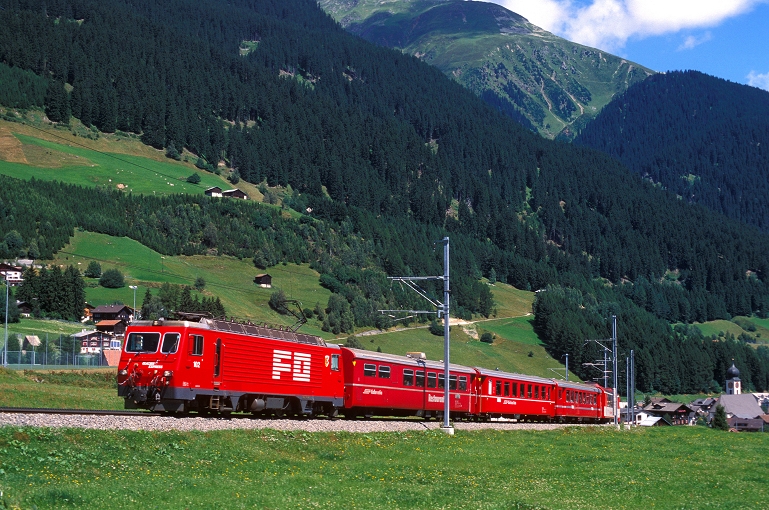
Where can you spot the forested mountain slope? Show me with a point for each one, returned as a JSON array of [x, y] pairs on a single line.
[[541, 80], [385, 155], [703, 138]]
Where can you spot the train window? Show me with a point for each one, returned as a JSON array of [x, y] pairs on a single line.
[[498, 388], [335, 362], [536, 392], [384, 371], [420, 379], [431, 380], [452, 382], [170, 343], [441, 382], [218, 357], [142, 342], [463, 383], [507, 388], [408, 378], [369, 370], [515, 389], [528, 390], [196, 345]]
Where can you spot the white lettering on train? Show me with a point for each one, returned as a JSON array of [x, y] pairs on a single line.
[[433, 398], [297, 364]]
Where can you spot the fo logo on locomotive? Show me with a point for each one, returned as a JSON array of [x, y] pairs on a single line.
[[296, 363]]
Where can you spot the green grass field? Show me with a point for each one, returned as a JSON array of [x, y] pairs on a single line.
[[571, 468]]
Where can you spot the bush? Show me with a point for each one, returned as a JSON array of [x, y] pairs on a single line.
[[200, 283], [353, 343], [112, 279], [93, 270], [194, 178], [278, 302], [487, 338], [436, 328]]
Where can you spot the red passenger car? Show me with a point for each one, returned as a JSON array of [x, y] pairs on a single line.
[[506, 395], [580, 402], [391, 385], [222, 366]]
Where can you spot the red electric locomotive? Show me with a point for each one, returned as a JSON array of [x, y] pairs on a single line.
[[222, 366], [391, 385], [506, 395]]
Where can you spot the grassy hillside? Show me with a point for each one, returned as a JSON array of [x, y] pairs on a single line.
[[44, 152], [112, 160], [232, 281]]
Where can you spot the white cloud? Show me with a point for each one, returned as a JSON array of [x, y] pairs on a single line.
[[758, 80], [694, 41], [608, 24]]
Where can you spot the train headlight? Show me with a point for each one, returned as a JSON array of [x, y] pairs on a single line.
[[168, 373], [123, 372]]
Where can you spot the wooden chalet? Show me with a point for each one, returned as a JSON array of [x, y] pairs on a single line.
[[115, 327], [235, 193], [214, 191], [263, 280], [112, 312]]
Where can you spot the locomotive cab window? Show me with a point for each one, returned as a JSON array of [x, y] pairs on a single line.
[[170, 343], [335, 362], [369, 370], [196, 345], [420, 379], [384, 371], [408, 378], [142, 342]]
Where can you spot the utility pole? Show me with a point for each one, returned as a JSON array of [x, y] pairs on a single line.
[[5, 345], [606, 351], [442, 310]]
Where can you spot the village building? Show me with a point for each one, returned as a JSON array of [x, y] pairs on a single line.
[[112, 312], [11, 274]]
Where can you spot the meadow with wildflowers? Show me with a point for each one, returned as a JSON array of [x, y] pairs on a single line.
[[573, 467]]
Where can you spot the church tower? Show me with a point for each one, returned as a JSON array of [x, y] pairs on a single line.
[[733, 383]]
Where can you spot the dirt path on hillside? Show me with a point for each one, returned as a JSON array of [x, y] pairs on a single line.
[[10, 148]]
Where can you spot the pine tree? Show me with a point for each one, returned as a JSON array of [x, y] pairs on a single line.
[[719, 420]]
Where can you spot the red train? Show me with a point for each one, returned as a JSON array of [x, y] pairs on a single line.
[[218, 366]]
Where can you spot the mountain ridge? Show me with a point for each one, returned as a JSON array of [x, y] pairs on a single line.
[[543, 81]]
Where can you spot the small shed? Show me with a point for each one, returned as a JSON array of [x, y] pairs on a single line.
[[263, 280], [31, 342], [235, 193], [214, 191]]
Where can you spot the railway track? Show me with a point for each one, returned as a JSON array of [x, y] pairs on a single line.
[[76, 412]]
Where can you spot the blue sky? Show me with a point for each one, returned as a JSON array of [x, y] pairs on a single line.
[[726, 38]]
